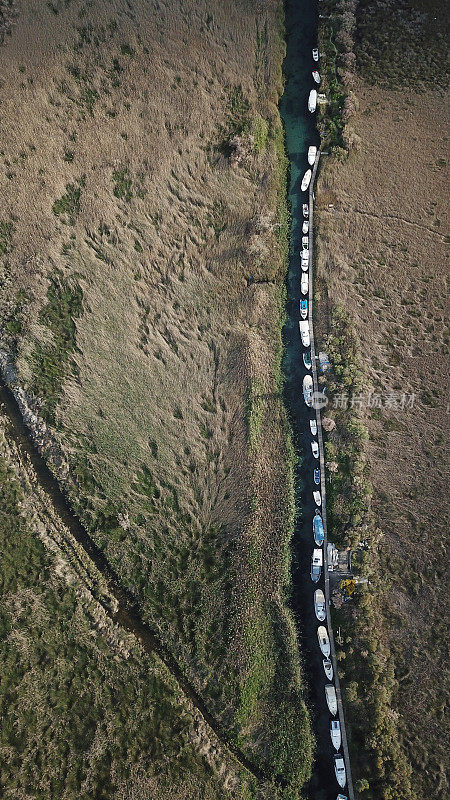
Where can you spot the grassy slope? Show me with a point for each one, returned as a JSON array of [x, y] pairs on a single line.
[[158, 189], [85, 714], [382, 250]]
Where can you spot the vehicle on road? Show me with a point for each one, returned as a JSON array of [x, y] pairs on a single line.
[[339, 770], [330, 696], [305, 242], [307, 359], [315, 449], [315, 54], [319, 605], [303, 309], [312, 152], [318, 529], [317, 497], [305, 226], [304, 260], [316, 566], [307, 389], [305, 209], [313, 426], [306, 178], [316, 76], [304, 332], [328, 668], [304, 283], [312, 101], [335, 733], [323, 638], [317, 476]]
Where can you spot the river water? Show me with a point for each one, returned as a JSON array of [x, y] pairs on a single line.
[[301, 32]]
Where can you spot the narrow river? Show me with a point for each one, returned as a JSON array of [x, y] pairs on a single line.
[[301, 31]]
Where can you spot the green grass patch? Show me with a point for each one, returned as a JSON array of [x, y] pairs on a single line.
[[122, 184], [50, 360], [6, 234]]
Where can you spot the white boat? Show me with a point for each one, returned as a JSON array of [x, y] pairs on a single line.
[[306, 180], [341, 797], [307, 389], [312, 152], [317, 498], [312, 100], [335, 733], [339, 770], [304, 283], [319, 605], [328, 668], [313, 423], [305, 242], [330, 696], [304, 260], [324, 641], [315, 54], [305, 209], [316, 564], [304, 309], [316, 76], [305, 226], [304, 332]]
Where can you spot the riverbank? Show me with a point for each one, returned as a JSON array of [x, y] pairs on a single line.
[[381, 317]]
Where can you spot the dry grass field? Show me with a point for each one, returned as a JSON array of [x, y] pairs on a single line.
[[383, 257], [142, 249]]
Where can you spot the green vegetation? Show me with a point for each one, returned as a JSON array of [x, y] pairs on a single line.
[[122, 184], [80, 719], [409, 52], [254, 412], [238, 121], [68, 206], [367, 667], [6, 234], [50, 359]]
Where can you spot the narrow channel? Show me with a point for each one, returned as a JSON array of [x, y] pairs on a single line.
[[300, 129]]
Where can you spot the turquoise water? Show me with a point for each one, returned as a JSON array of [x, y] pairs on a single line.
[[300, 129]]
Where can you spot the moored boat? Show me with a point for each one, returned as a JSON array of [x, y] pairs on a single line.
[[304, 283], [305, 208], [307, 389], [318, 530], [335, 733], [305, 226], [319, 605], [316, 76], [339, 770], [306, 180], [328, 668], [312, 152], [323, 639], [330, 696], [312, 100]]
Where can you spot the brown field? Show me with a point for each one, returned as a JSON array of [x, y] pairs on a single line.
[[142, 184], [383, 256]]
